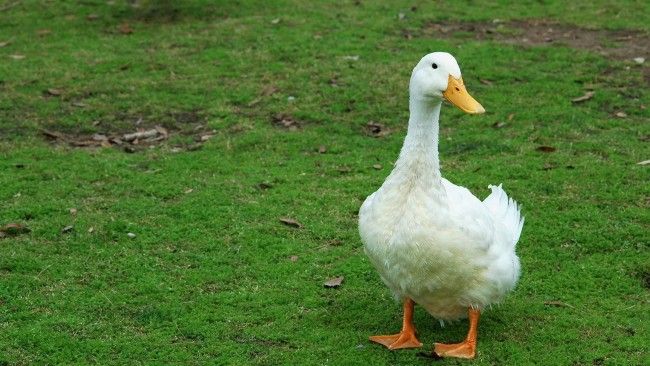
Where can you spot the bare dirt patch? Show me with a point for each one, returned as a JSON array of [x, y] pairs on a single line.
[[186, 129], [618, 44]]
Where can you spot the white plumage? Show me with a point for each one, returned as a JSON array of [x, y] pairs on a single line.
[[430, 240]]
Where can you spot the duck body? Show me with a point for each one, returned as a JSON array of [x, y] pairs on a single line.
[[430, 240]]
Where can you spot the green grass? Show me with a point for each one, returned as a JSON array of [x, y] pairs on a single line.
[[208, 278]]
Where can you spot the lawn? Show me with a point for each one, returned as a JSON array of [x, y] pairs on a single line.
[[172, 249]]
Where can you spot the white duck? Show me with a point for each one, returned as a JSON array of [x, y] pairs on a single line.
[[433, 242]]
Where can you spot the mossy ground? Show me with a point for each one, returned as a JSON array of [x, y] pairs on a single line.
[[209, 277]]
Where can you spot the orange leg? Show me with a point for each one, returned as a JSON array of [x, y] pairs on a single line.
[[404, 339], [466, 348]]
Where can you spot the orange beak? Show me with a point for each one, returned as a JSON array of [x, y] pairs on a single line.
[[457, 95]]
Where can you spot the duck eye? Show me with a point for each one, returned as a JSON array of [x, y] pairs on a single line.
[[435, 66]]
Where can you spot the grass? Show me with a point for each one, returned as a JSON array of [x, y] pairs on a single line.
[[208, 278]]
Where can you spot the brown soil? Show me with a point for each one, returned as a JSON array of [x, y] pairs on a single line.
[[618, 44]]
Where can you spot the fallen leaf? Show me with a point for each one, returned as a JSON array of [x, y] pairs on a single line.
[[401, 16], [286, 121], [188, 191], [377, 166], [130, 235], [293, 258], [275, 21], [17, 56], [67, 229], [265, 185], [125, 28], [351, 58], [334, 282], [498, 124], [322, 149], [53, 92], [254, 102], [511, 116], [13, 229], [269, 90], [90, 230], [92, 17], [546, 149], [557, 303], [639, 60], [73, 211], [485, 82], [375, 129], [620, 114], [344, 169], [588, 95], [205, 138], [43, 32], [645, 162], [79, 104], [290, 222], [4, 44]]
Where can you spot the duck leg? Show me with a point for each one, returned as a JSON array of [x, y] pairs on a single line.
[[466, 348], [404, 339]]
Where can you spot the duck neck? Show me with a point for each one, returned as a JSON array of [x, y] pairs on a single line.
[[419, 154]]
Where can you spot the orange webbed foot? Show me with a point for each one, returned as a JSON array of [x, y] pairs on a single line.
[[398, 341], [459, 350]]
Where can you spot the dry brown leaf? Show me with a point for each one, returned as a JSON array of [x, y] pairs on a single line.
[[293, 258], [485, 82], [73, 211], [620, 114], [286, 121], [54, 92], [13, 229], [269, 90], [334, 282], [43, 32], [17, 56], [511, 116], [377, 166], [557, 303], [4, 44], [546, 149], [92, 17], [588, 95], [291, 222], [125, 28], [375, 129], [322, 149]]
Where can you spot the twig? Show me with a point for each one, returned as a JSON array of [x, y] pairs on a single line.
[[9, 6]]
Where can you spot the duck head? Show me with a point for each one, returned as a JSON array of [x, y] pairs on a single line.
[[436, 77]]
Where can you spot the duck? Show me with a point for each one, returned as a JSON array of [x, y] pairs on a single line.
[[432, 242]]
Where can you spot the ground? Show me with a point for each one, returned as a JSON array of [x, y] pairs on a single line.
[[210, 241]]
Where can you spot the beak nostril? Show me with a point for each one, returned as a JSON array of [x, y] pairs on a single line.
[[457, 89]]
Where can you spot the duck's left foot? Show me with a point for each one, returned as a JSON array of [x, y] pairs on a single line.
[[398, 341], [459, 350]]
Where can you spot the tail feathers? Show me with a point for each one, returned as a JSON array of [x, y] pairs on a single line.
[[505, 210]]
